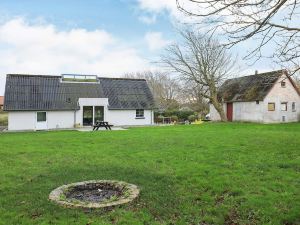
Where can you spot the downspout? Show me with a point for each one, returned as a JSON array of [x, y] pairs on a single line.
[[75, 114], [152, 115], [74, 119]]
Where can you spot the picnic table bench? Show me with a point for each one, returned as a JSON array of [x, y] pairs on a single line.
[[102, 124]]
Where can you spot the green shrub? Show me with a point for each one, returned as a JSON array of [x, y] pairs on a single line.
[[174, 118], [158, 119], [192, 118], [181, 115], [3, 119]]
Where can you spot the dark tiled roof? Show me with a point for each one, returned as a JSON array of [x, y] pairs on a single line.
[[125, 93], [39, 92], [249, 88]]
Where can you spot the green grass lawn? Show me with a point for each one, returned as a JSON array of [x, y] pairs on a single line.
[[198, 174], [3, 118]]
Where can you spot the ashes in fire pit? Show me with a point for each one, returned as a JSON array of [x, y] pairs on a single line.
[[94, 194]]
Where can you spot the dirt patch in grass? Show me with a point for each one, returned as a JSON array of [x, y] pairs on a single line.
[[232, 218]]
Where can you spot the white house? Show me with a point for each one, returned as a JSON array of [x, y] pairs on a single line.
[[39, 102], [270, 97]]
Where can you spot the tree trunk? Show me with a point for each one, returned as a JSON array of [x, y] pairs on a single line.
[[219, 107]]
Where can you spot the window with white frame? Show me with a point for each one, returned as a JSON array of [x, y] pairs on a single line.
[[294, 106], [283, 84], [283, 106], [139, 113], [41, 116]]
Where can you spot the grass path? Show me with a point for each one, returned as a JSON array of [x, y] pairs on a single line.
[[207, 174]]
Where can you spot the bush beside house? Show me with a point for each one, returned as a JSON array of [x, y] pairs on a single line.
[[176, 116], [3, 118]]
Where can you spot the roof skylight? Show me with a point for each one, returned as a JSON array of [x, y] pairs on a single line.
[[79, 78]]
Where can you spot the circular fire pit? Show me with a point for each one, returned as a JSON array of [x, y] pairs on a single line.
[[94, 194]]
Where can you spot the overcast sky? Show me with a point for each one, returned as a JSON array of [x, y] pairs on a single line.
[[104, 37]]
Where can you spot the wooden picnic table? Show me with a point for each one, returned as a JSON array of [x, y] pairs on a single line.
[[102, 124]]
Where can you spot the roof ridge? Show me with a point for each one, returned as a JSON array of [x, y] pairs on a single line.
[[59, 76], [32, 75], [122, 78], [265, 73], [259, 74]]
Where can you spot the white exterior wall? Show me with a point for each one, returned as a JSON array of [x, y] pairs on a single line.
[[67, 119], [27, 120], [278, 95], [60, 119], [247, 111], [21, 120], [241, 111], [114, 117], [127, 117]]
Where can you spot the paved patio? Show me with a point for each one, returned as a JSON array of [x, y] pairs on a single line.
[[87, 129]]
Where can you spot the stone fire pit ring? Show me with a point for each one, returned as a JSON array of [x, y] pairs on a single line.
[[94, 194]]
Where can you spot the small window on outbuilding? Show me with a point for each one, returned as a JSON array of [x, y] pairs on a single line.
[[257, 102], [294, 106], [271, 106], [139, 113], [41, 116], [283, 106], [283, 84]]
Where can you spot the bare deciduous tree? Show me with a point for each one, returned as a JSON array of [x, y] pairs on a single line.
[[164, 87], [268, 22], [202, 61], [192, 97]]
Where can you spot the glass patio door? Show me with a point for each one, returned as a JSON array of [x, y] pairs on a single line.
[[87, 116], [99, 114]]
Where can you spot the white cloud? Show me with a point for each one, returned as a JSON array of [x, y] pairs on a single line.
[[153, 8], [42, 49], [158, 5], [155, 41], [148, 19]]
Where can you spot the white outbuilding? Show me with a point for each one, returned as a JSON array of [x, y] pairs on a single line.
[[270, 97]]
